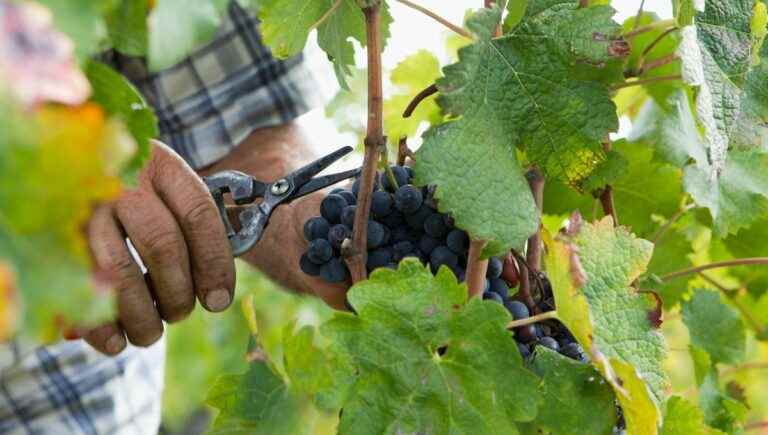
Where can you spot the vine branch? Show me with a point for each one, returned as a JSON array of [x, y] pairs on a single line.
[[437, 18], [651, 46], [606, 196], [403, 151], [646, 81], [533, 253], [715, 265], [729, 293], [533, 319], [357, 255], [418, 98], [476, 268], [675, 217], [649, 27], [639, 15]]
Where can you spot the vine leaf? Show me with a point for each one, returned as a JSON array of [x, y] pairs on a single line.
[[176, 29], [127, 27], [48, 250], [591, 267], [732, 105], [720, 410], [576, 400], [286, 25], [410, 76], [541, 86], [426, 361], [683, 418], [715, 327], [8, 302], [119, 98]]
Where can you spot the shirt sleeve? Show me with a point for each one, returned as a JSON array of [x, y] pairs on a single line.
[[213, 99]]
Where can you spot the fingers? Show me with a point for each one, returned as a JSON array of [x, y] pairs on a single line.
[[136, 309], [160, 243], [108, 339], [187, 198]]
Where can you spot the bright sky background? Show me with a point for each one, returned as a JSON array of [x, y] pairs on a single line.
[[412, 31]]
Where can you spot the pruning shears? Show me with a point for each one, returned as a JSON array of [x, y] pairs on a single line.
[[245, 190]]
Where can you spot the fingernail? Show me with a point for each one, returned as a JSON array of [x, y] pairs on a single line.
[[115, 344], [217, 300]]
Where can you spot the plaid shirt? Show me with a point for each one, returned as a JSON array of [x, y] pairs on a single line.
[[206, 105]]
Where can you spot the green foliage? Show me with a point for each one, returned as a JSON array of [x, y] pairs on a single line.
[[575, 400], [714, 327], [404, 382], [683, 418], [127, 27]]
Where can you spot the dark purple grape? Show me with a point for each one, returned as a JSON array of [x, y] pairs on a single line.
[[408, 199], [416, 220], [525, 351], [348, 216], [381, 203], [334, 271], [401, 234], [336, 191], [434, 225], [376, 234], [409, 171], [319, 251], [493, 297], [401, 177], [517, 309], [331, 208], [393, 220], [337, 234], [458, 241], [349, 196], [550, 343], [526, 333], [442, 256], [494, 268], [308, 266], [316, 228], [401, 249], [499, 286], [379, 258], [427, 244]]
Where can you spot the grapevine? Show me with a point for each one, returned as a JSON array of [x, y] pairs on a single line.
[[514, 264]]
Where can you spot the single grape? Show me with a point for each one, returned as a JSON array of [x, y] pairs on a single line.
[[416, 219], [337, 234], [493, 296], [572, 351], [356, 185], [348, 216], [457, 241], [517, 309], [550, 343], [387, 236], [427, 244], [408, 198], [336, 191], [334, 271], [316, 228], [381, 203], [434, 225], [400, 234], [401, 249], [442, 256], [379, 258], [349, 196], [525, 351], [393, 220], [331, 208], [401, 177], [307, 266], [526, 333], [494, 268], [319, 251], [376, 234], [499, 287]]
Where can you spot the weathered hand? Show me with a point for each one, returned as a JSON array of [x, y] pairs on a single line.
[[173, 223]]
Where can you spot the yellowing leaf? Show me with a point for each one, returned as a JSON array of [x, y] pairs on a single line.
[[8, 303], [412, 75]]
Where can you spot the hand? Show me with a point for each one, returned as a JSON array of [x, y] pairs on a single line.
[[175, 227]]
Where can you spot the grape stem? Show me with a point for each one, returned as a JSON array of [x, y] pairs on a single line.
[[524, 291], [533, 253], [715, 265], [639, 15], [606, 196], [651, 46], [667, 225], [403, 151], [745, 366], [437, 18], [476, 268], [357, 255], [418, 98], [533, 319]]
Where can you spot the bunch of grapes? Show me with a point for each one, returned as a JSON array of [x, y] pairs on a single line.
[[405, 222]]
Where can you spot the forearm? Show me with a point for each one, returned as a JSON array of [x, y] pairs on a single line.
[[269, 154]]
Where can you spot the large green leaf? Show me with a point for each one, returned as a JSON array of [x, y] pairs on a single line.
[[683, 418], [176, 29], [426, 361], [574, 400], [715, 327], [591, 269], [537, 87], [286, 25], [118, 97], [127, 27]]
